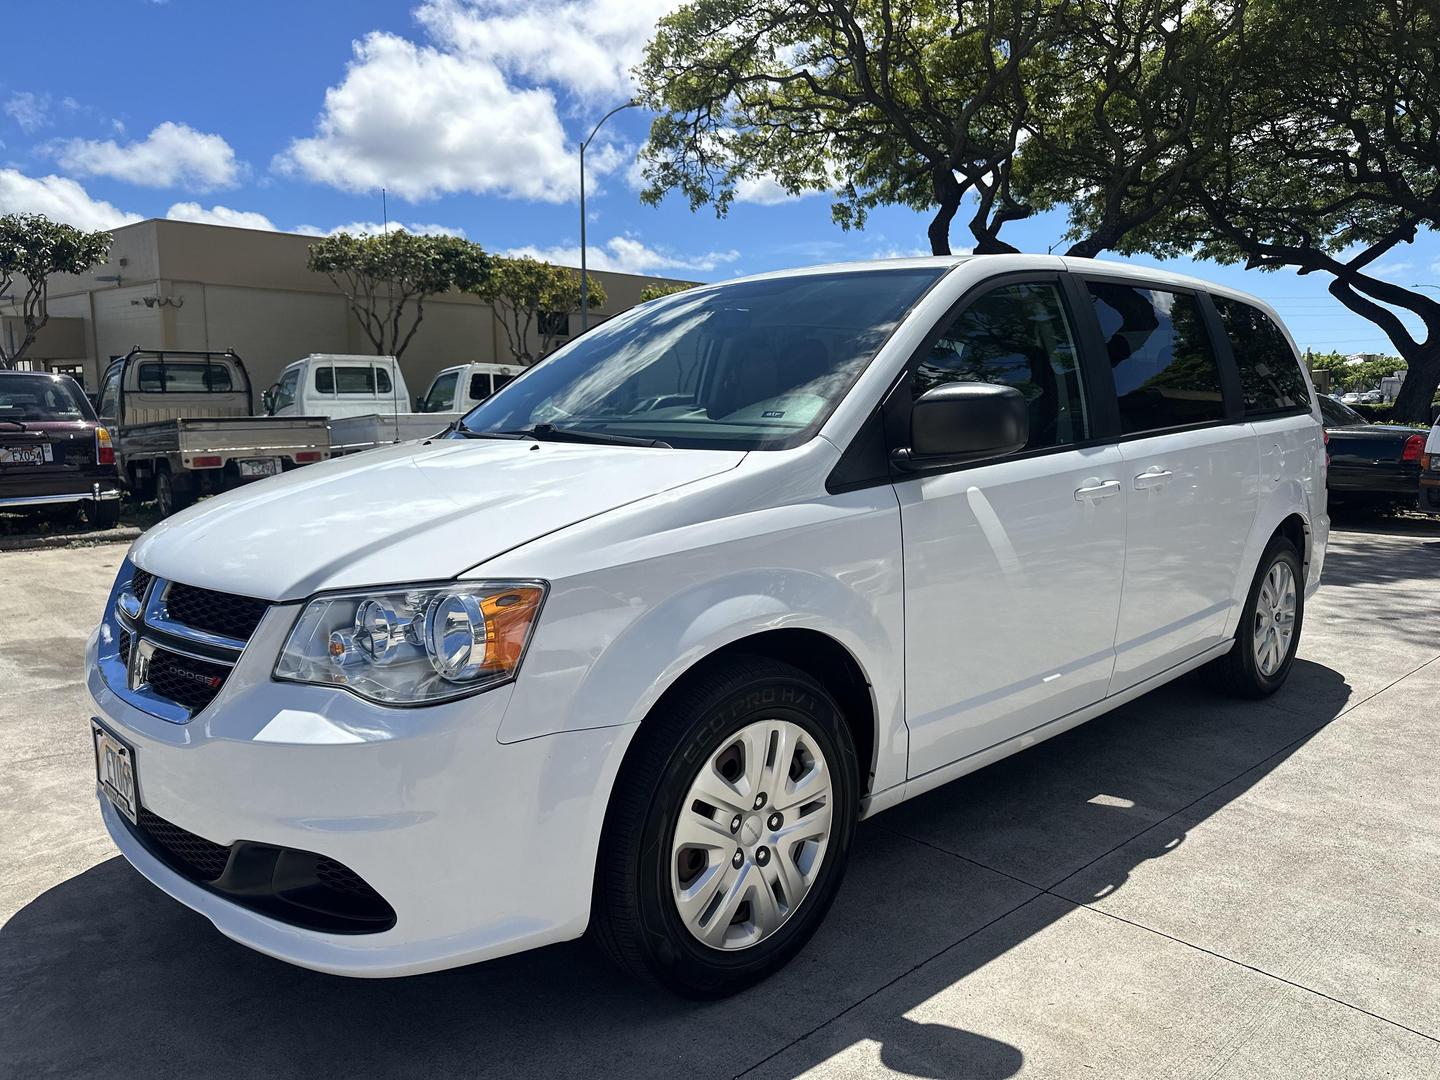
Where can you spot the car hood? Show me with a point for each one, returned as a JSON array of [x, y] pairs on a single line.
[[414, 512]]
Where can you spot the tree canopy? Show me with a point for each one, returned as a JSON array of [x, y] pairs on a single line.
[[533, 301], [654, 290], [387, 276], [33, 249]]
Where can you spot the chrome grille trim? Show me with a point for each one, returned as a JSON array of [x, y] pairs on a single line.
[[149, 629]]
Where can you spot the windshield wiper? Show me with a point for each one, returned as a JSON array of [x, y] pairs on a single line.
[[458, 427], [551, 433], [18, 423]]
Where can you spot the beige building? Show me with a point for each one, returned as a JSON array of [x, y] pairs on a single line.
[[182, 285]]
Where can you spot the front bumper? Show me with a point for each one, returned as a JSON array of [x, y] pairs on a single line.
[[481, 848], [93, 493]]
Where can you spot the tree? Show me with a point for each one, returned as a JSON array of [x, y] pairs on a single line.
[[1327, 162], [927, 104], [654, 290], [532, 300], [386, 275], [32, 250]]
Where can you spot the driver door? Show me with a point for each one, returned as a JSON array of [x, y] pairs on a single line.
[[1013, 567]]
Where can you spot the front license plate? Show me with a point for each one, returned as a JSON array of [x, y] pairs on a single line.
[[259, 467], [115, 770], [26, 455]]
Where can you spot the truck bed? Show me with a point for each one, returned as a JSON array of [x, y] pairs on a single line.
[[257, 436], [351, 434]]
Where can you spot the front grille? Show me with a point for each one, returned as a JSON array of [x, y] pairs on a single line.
[[124, 647], [297, 887], [185, 679], [140, 581], [214, 612], [198, 858]]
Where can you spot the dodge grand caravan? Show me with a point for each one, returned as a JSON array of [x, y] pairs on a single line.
[[633, 646]]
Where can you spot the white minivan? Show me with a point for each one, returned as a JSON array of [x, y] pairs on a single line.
[[633, 648]]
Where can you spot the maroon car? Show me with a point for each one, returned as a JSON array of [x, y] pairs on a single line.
[[53, 452]]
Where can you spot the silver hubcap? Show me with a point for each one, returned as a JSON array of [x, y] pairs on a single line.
[[1274, 619], [751, 835]]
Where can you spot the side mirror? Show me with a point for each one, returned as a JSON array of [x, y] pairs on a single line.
[[267, 399], [965, 421], [419, 404]]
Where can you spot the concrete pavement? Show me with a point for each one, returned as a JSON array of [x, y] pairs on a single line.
[[1187, 887]]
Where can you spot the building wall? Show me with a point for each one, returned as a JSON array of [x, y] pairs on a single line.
[[212, 288]]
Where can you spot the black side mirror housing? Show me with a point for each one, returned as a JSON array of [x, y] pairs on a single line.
[[267, 399], [419, 404], [965, 421]]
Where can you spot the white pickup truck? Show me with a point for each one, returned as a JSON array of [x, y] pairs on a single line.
[[182, 426], [457, 390], [364, 397]]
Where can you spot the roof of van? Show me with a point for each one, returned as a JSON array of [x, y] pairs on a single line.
[[1005, 263]]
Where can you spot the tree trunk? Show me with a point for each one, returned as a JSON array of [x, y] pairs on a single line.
[[1422, 377], [947, 195]]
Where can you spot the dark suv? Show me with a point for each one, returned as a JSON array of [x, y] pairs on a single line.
[[53, 451]]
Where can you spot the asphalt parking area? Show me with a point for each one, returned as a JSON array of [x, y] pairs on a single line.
[[1186, 887]]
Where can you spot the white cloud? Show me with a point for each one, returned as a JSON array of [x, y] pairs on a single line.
[[586, 46], [765, 191], [60, 199], [628, 255], [171, 155], [421, 122], [30, 111], [375, 228], [220, 215], [477, 107]]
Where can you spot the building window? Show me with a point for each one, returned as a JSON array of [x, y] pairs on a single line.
[[554, 324]]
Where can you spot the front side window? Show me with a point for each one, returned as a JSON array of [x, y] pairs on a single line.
[[285, 389], [1018, 336], [441, 397], [1165, 371], [42, 397], [1270, 377], [110, 393], [748, 365], [184, 377]]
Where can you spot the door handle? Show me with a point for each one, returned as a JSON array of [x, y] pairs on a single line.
[[1095, 488], [1152, 477]]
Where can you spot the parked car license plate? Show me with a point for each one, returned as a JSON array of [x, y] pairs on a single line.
[[115, 770], [26, 455], [259, 467]]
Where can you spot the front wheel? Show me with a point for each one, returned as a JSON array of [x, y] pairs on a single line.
[[729, 829], [1269, 632]]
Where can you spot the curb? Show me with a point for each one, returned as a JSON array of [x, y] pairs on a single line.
[[123, 534]]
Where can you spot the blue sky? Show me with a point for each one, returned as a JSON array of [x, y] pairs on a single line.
[[293, 115]]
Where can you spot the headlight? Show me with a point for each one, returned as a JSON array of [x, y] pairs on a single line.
[[416, 645]]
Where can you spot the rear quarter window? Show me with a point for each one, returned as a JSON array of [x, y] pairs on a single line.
[[1270, 376]]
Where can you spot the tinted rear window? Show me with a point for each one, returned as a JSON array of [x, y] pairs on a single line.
[[42, 397], [1165, 371], [184, 377], [1270, 378]]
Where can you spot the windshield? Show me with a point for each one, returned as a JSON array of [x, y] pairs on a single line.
[[1335, 414], [755, 365], [39, 398]]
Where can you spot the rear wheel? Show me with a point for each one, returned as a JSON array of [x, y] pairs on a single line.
[[171, 497], [728, 831], [1269, 632]]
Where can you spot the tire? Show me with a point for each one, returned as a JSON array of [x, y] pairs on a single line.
[[170, 497], [645, 859], [1242, 672], [103, 514]]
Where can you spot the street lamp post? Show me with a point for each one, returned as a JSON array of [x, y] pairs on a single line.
[[584, 278]]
